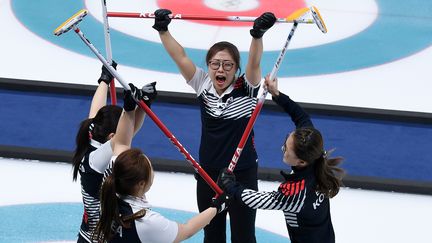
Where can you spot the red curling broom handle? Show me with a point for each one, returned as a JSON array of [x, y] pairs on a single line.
[[150, 113]]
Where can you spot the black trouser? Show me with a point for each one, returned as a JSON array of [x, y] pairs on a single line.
[[81, 239], [242, 218]]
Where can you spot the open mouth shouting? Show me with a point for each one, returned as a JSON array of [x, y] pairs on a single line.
[[220, 80]]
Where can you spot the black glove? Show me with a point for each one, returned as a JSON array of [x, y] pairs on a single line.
[[128, 100], [106, 76], [162, 19], [149, 93], [227, 181], [262, 24], [220, 203]]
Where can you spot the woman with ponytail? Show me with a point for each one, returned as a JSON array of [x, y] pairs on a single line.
[[304, 195], [126, 215], [106, 130]]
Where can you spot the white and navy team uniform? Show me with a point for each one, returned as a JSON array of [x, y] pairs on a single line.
[[91, 173], [150, 228], [224, 119], [306, 211], [109, 168]]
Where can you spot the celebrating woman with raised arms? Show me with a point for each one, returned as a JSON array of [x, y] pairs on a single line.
[[304, 195], [106, 129], [227, 100]]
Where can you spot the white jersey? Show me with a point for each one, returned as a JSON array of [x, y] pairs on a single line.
[[224, 118], [151, 228]]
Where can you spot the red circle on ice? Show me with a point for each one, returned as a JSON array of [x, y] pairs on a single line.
[[281, 9]]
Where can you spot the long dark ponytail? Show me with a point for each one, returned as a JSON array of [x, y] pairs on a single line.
[[309, 147], [109, 211], [98, 128], [130, 168]]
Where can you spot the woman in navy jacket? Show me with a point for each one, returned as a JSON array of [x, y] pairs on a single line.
[[304, 195]]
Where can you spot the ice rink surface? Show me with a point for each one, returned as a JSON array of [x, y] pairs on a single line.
[[358, 216], [377, 54]]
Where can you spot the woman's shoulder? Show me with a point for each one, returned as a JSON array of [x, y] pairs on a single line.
[[154, 227], [200, 81]]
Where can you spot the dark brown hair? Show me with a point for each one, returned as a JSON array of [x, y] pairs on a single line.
[[130, 168], [309, 147], [98, 128], [229, 47]]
